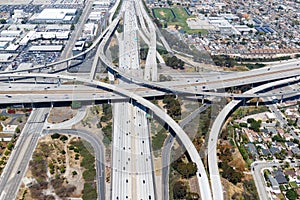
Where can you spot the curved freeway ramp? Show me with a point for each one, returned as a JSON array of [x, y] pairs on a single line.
[[213, 137]]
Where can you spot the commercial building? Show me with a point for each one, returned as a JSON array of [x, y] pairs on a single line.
[[8, 33], [5, 57], [78, 48], [46, 48], [53, 15]]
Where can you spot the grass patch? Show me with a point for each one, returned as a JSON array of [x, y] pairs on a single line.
[[180, 14], [89, 191], [176, 16], [158, 140], [181, 17], [88, 162], [293, 184], [163, 14]]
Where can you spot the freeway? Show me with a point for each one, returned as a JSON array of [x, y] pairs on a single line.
[[187, 93], [97, 145], [257, 172], [213, 138], [132, 173], [17, 164], [196, 158], [132, 170]]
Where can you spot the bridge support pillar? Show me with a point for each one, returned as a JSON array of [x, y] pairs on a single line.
[[59, 82], [35, 80], [257, 102], [244, 102], [202, 100], [51, 104], [68, 65], [281, 99]]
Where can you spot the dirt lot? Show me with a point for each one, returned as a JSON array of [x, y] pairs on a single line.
[[61, 114], [56, 152]]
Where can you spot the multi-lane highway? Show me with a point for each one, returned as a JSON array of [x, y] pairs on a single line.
[[139, 99], [132, 170], [132, 167], [17, 164]]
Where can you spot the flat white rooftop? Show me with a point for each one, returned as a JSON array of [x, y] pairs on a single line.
[[54, 14], [46, 48]]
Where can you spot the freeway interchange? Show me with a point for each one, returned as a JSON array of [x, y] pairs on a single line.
[[132, 164]]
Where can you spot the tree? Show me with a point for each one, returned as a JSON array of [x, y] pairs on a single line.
[[18, 130], [2, 21], [230, 174], [179, 190], [72, 27], [55, 136], [291, 194]]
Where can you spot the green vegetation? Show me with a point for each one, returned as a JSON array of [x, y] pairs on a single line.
[[107, 112], [174, 62], [89, 191], [223, 60], [88, 162], [176, 17], [2, 21], [254, 125], [63, 138], [186, 169], [267, 59], [249, 191], [18, 130], [173, 106], [55, 136], [107, 133], [231, 174], [291, 194], [255, 66], [278, 138], [75, 104], [293, 184], [204, 123], [143, 52], [165, 14], [179, 190], [245, 111], [107, 128], [158, 139], [3, 118]]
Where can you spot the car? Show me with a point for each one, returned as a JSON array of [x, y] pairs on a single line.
[[19, 172]]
